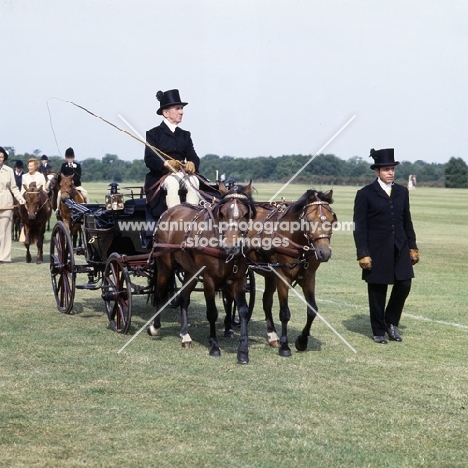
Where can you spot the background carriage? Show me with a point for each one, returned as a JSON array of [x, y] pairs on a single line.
[[115, 254]]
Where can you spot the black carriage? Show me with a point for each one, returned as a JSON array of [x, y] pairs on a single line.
[[117, 248]]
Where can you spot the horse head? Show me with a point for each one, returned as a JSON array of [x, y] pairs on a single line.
[[66, 186], [34, 199], [234, 213], [52, 180], [316, 220]]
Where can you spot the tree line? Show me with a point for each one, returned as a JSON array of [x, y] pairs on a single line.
[[325, 169]]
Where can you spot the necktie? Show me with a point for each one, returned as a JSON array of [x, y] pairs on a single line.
[[389, 190]]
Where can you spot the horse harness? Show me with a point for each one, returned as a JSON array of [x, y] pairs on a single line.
[[39, 192], [301, 252]]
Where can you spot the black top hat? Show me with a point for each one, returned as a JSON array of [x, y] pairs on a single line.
[[19, 164], [383, 157], [168, 99], [5, 152], [44, 158], [69, 153]]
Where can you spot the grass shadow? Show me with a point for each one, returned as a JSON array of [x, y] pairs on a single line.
[[358, 323]]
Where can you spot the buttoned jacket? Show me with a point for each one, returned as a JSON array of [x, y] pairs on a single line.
[[383, 230], [75, 171], [8, 188], [177, 144]]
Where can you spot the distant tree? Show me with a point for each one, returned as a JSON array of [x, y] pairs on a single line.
[[456, 173], [11, 151]]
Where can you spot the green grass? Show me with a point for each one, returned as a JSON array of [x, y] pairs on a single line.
[[67, 398]]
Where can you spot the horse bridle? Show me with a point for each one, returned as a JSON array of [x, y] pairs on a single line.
[[38, 192], [305, 212]]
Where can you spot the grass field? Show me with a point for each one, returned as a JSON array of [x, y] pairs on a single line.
[[67, 398]]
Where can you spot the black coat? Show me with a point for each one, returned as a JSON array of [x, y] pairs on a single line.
[[383, 230], [19, 179], [66, 170], [176, 144], [43, 169]]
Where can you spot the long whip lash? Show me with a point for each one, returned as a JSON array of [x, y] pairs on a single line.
[[160, 153]]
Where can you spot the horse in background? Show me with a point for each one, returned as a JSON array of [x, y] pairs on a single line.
[[16, 225], [208, 240], [294, 240], [52, 188], [34, 215], [68, 191]]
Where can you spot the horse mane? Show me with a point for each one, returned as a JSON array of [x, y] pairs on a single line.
[[302, 202], [239, 192]]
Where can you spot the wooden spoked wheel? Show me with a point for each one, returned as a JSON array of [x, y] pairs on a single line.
[[62, 268], [117, 295]]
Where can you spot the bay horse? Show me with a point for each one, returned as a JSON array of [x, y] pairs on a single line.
[[34, 215], [208, 240], [294, 239], [69, 191], [52, 187], [16, 225]]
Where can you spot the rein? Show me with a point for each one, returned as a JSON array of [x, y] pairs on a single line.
[[205, 211]]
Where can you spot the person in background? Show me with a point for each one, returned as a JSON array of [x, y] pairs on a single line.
[[33, 175], [385, 244], [177, 143], [71, 167], [18, 171], [45, 166], [8, 190]]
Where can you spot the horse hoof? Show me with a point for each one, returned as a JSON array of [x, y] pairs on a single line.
[[274, 343], [152, 330], [229, 334], [215, 352], [187, 344], [243, 358], [285, 352], [301, 343]]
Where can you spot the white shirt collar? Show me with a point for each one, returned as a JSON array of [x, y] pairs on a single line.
[[384, 185], [171, 126]]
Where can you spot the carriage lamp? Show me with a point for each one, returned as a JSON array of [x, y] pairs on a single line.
[[114, 199]]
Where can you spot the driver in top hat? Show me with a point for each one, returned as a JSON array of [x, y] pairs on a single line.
[[177, 143], [385, 244]]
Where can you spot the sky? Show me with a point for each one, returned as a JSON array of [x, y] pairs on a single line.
[[262, 77]]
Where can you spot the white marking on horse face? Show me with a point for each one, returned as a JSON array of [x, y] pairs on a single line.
[[236, 211]]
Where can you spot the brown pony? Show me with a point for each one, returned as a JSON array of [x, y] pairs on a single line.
[[34, 214], [53, 188], [16, 226], [293, 239], [69, 191], [205, 240]]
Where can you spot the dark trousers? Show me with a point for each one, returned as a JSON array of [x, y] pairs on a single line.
[[379, 314]]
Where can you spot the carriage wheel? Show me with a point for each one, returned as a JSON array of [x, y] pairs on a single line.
[[62, 268], [250, 291], [117, 294]]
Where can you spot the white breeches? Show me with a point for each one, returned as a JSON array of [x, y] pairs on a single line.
[[80, 189], [176, 181]]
